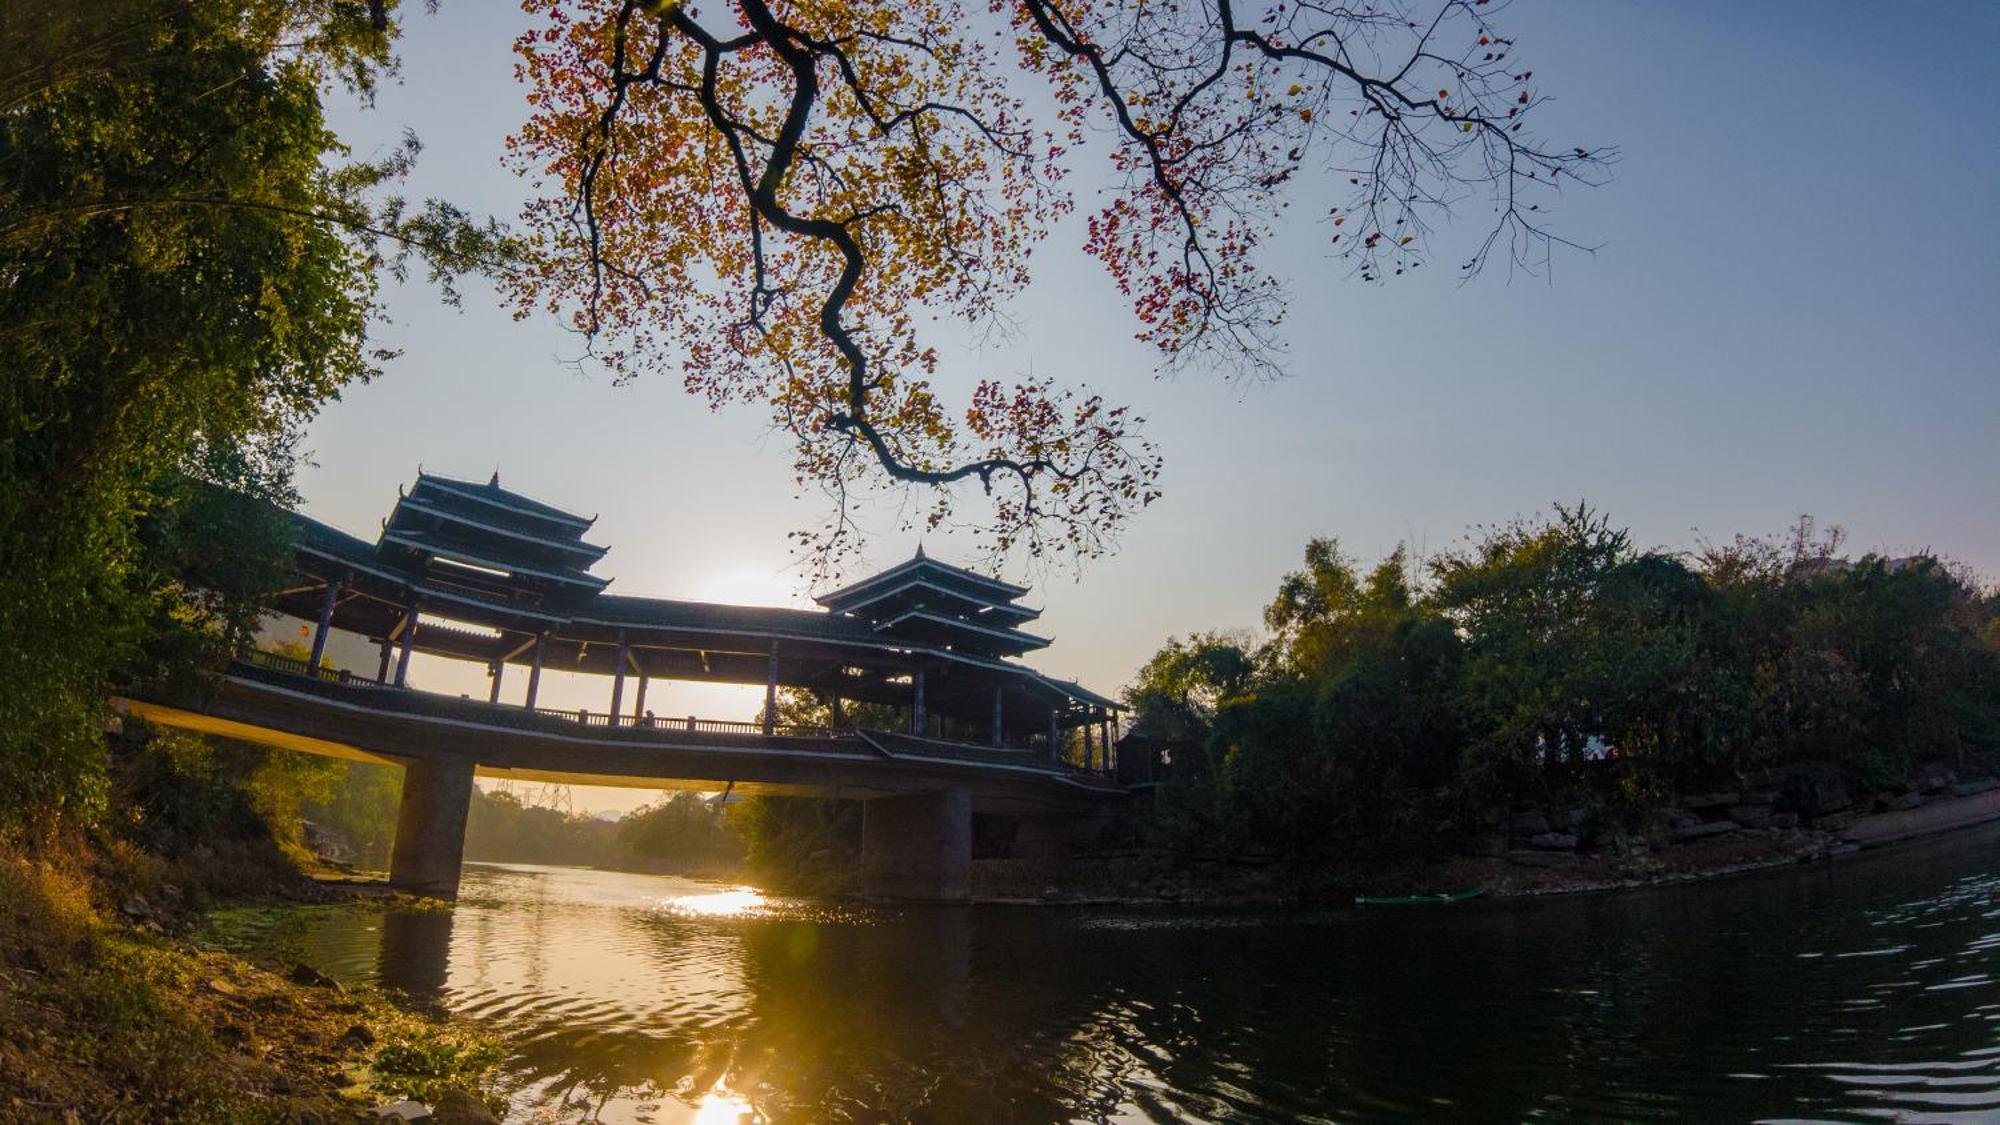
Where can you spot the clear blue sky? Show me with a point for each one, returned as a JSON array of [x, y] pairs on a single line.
[[1795, 308]]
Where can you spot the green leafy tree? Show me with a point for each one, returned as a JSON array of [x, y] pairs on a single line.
[[684, 828], [188, 267]]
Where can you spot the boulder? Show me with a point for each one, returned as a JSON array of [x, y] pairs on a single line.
[[312, 978], [1785, 820], [1706, 828], [1906, 802], [405, 1110], [1935, 779], [1553, 842], [1528, 824], [1816, 791], [460, 1107], [1712, 800], [1531, 858], [1751, 816], [1490, 845]]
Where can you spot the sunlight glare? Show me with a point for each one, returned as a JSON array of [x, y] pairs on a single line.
[[734, 902], [721, 1107]]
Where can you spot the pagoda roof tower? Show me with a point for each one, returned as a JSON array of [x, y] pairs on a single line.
[[488, 541], [934, 603]]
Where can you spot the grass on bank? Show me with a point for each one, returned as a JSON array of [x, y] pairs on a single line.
[[101, 1020]]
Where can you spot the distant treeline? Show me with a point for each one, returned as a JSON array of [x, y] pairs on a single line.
[[1549, 661], [680, 831]]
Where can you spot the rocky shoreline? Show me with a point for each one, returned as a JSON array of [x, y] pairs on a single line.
[[1544, 851]]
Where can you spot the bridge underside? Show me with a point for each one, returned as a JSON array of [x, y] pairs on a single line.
[[916, 844]]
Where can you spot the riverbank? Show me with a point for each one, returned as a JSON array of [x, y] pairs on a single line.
[[111, 1009], [1539, 861]]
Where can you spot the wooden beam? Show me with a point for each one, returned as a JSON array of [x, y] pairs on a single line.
[[409, 630], [770, 692], [535, 672], [618, 676], [325, 623]]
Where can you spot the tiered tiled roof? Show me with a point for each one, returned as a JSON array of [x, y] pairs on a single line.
[[484, 538], [935, 603]]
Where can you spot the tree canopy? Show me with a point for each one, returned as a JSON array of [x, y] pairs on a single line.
[[1549, 660], [188, 266], [773, 200]]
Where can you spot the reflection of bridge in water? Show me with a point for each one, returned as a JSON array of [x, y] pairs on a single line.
[[474, 572]]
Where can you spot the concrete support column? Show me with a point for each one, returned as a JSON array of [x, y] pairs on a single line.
[[325, 623], [918, 846], [430, 825]]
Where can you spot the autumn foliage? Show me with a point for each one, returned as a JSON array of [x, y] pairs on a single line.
[[774, 200]]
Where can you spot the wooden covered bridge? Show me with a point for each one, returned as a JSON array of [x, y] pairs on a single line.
[[475, 572]]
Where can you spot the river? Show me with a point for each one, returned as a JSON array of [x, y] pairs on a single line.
[[1858, 989]]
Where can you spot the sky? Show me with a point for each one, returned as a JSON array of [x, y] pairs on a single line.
[[1793, 306]]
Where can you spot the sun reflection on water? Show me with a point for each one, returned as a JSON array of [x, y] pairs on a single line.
[[720, 1106], [736, 902]]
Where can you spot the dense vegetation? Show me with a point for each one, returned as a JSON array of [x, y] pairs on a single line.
[[1550, 661], [188, 268]]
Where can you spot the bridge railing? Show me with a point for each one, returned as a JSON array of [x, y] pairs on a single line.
[[298, 666], [582, 716], [690, 724]]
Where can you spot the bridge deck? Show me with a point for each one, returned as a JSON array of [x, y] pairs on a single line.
[[326, 713]]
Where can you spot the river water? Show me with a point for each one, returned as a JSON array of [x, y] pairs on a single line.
[[1862, 989]]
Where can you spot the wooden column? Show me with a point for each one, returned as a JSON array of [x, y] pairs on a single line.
[[1055, 733], [497, 668], [1104, 736], [1089, 751], [408, 638], [535, 672], [839, 715], [382, 670], [325, 624], [639, 701], [771, 692], [618, 678], [917, 703], [998, 734]]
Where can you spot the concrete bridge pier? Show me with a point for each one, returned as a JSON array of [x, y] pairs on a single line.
[[430, 825], [918, 846]]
